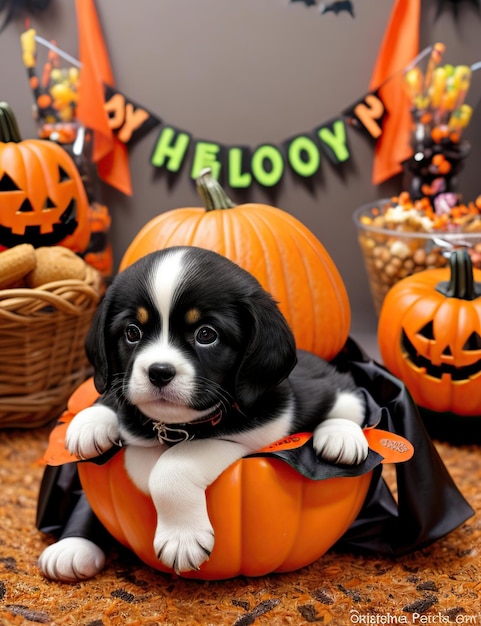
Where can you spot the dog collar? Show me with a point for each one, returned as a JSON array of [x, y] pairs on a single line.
[[170, 434]]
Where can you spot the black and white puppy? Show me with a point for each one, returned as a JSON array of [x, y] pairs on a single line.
[[197, 368]]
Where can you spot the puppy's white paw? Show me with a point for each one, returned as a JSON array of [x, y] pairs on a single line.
[[92, 432], [340, 441], [71, 559], [183, 548]]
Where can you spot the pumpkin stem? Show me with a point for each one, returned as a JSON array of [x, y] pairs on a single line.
[[211, 192], [8, 124], [461, 283]]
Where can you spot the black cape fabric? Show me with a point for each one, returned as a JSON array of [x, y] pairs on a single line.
[[429, 505]]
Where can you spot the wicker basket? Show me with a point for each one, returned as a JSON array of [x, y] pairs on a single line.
[[42, 354]]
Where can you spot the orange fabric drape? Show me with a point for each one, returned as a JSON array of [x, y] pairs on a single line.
[[109, 153], [399, 47]]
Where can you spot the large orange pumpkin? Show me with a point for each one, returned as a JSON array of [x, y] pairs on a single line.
[[286, 258], [267, 517], [430, 336], [42, 198]]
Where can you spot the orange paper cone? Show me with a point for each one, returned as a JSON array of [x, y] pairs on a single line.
[[399, 47], [109, 153]]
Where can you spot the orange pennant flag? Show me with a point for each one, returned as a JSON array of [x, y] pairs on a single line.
[[399, 47], [109, 153]]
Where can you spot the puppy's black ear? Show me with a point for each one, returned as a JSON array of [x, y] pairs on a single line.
[[270, 353], [96, 346]]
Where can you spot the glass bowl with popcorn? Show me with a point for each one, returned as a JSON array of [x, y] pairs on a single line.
[[400, 236]]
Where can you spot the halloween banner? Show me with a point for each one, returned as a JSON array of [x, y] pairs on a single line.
[[240, 166], [175, 149]]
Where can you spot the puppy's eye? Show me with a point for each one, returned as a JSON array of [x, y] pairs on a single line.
[[205, 335], [133, 334]]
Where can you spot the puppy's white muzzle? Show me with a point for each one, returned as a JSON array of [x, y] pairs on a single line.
[[163, 387]]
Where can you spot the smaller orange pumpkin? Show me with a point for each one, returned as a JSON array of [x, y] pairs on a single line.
[[429, 336], [42, 197]]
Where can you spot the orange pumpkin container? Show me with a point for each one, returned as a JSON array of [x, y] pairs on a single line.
[[42, 197], [284, 256], [430, 337], [267, 516]]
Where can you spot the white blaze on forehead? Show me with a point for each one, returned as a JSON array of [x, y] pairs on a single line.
[[163, 283], [172, 404]]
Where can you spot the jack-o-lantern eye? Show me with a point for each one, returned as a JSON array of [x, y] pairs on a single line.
[[26, 206], [62, 175], [7, 184], [427, 331], [473, 342]]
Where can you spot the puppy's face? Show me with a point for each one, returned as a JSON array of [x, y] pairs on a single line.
[[184, 332]]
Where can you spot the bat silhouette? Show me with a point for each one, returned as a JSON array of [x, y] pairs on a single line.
[[338, 7], [308, 3]]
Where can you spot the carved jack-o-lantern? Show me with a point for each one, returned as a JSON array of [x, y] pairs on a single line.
[[42, 197], [430, 336]]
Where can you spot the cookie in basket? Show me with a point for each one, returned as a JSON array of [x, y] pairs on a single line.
[[15, 264], [56, 263]]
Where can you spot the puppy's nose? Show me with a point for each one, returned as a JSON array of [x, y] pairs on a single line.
[[160, 374]]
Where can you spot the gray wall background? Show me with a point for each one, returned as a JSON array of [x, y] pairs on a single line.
[[248, 72]]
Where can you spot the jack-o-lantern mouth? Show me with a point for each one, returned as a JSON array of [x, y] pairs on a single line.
[[437, 371], [64, 227]]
